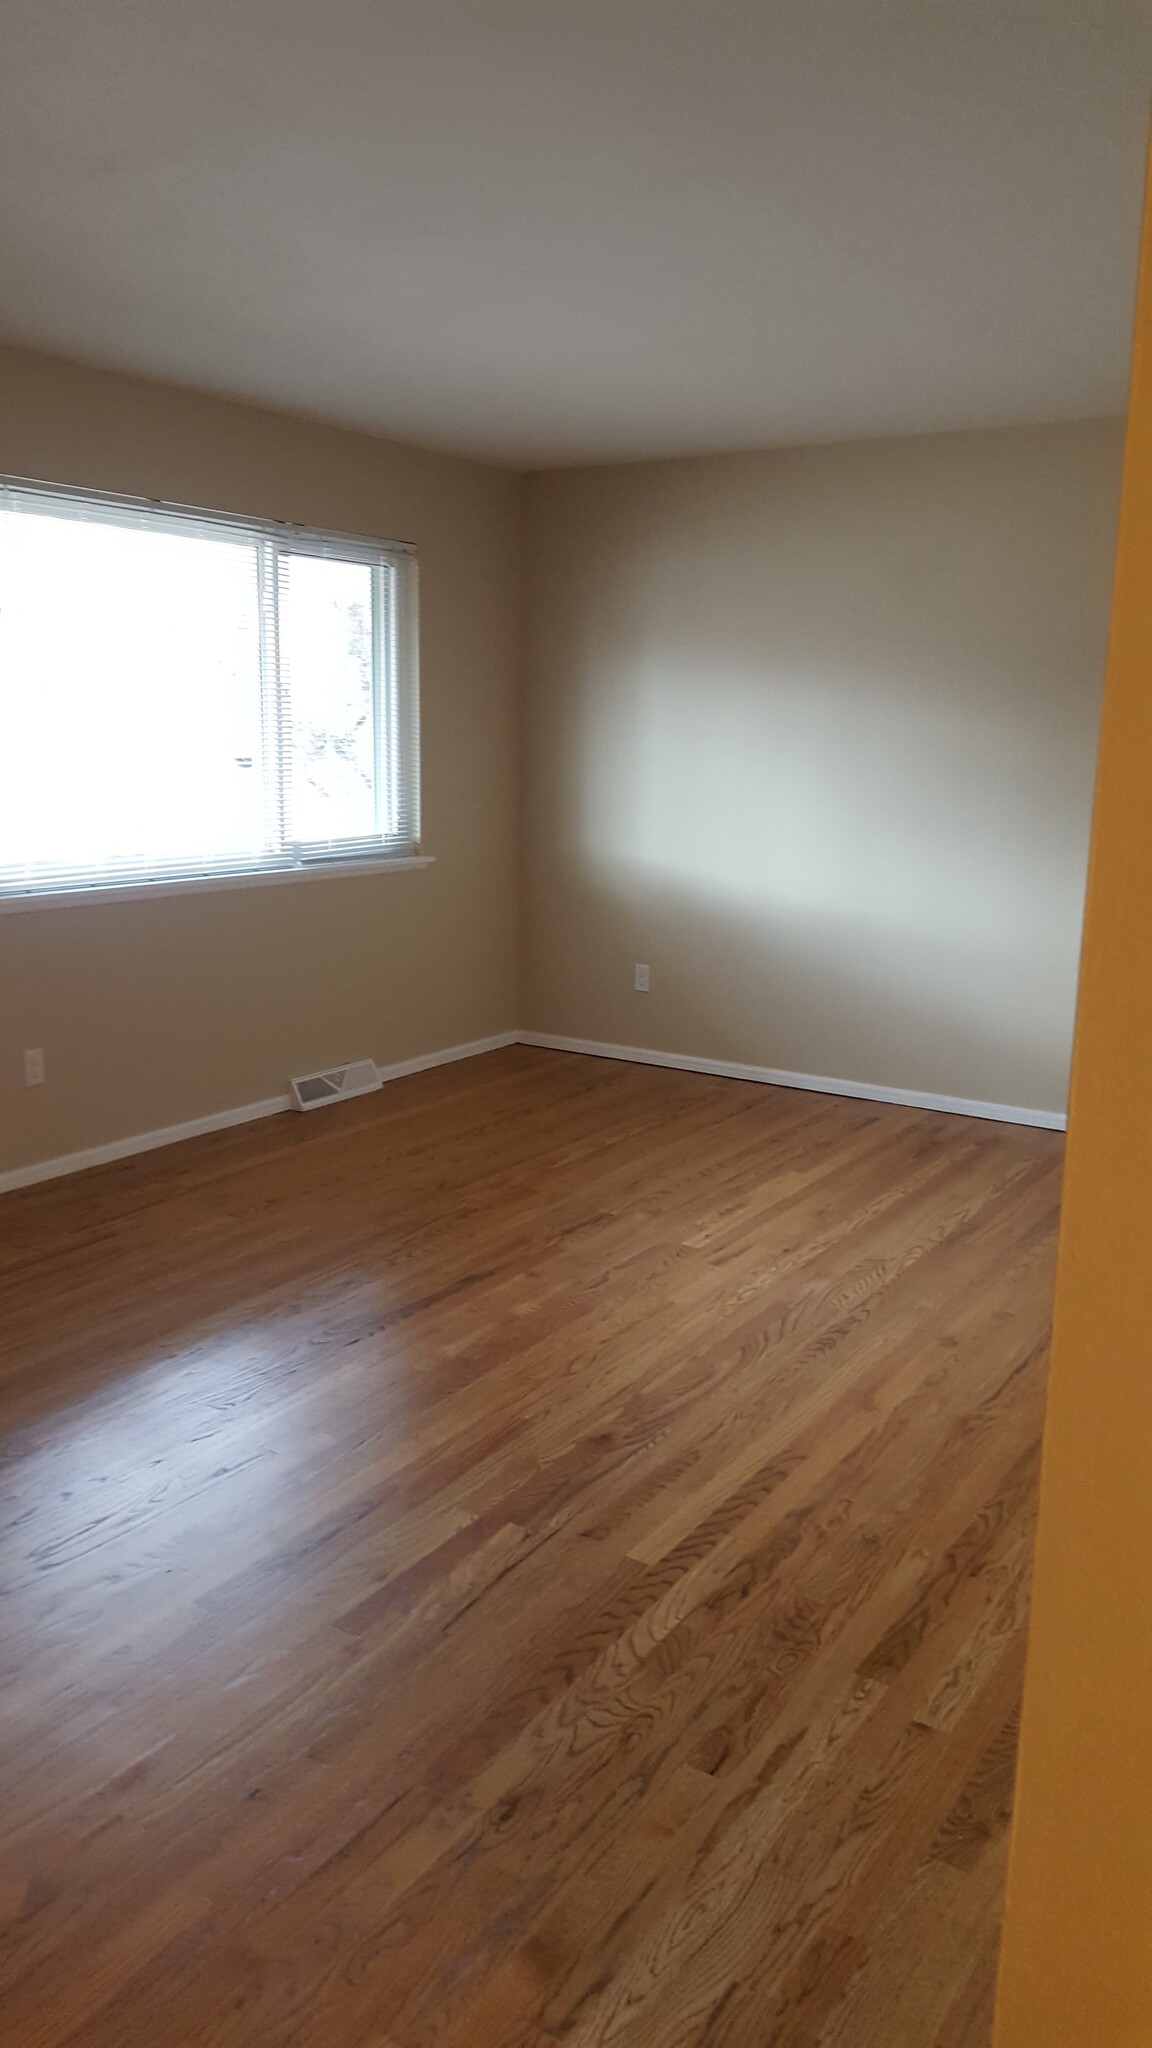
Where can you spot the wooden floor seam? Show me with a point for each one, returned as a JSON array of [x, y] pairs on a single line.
[[536, 1556]]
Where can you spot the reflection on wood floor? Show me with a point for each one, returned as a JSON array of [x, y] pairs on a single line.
[[538, 1555]]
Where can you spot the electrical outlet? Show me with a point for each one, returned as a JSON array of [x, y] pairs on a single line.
[[640, 977], [33, 1066]]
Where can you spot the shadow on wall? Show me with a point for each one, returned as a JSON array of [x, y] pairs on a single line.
[[767, 989], [844, 877], [814, 736]]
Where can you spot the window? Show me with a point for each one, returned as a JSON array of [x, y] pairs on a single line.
[[188, 695]]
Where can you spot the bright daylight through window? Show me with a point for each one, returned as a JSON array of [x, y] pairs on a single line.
[[186, 695]]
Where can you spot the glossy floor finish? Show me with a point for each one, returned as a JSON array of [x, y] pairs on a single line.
[[538, 1555]]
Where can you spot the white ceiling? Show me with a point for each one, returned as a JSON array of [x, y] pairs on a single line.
[[556, 230]]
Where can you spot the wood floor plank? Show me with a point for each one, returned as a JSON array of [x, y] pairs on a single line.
[[537, 1556]]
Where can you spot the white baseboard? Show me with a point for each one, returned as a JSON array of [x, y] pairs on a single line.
[[224, 1119], [820, 1084], [734, 1070], [424, 1060]]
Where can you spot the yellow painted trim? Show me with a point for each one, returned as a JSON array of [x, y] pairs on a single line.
[[1076, 1964]]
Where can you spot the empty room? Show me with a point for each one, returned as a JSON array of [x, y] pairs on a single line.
[[575, 1113]]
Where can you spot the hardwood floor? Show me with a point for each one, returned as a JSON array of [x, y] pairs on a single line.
[[538, 1556]]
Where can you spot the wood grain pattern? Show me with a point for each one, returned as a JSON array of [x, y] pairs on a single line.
[[534, 1559]]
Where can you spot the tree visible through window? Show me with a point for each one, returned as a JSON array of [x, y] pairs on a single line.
[[186, 694]]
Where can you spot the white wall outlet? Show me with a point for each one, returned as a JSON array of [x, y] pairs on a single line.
[[640, 977], [33, 1066]]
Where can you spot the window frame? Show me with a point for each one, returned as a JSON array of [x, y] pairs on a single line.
[[395, 699]]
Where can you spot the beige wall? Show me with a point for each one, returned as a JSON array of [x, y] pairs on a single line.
[[155, 1012], [812, 733]]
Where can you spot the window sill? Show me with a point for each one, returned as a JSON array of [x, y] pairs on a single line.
[[197, 885]]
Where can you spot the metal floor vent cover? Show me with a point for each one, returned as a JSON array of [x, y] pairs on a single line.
[[335, 1084]]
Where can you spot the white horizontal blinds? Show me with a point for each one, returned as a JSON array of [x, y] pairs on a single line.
[[404, 700], [186, 694], [329, 700], [130, 695]]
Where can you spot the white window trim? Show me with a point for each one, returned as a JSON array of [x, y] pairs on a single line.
[[197, 885], [377, 858]]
